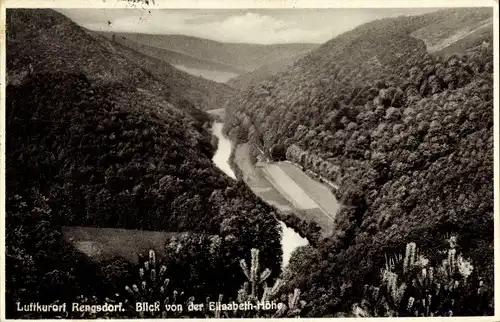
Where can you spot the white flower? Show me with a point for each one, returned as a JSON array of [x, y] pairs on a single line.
[[464, 267], [421, 261], [453, 241]]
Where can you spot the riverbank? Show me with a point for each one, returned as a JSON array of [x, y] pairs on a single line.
[[276, 189], [297, 220], [290, 239]]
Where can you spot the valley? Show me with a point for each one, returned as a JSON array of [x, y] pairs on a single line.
[[290, 240], [216, 61], [381, 114], [140, 165], [288, 189], [280, 184]]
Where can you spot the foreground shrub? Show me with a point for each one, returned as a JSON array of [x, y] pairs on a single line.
[[154, 286], [411, 286]]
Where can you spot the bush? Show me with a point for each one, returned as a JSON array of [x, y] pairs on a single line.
[[411, 286]]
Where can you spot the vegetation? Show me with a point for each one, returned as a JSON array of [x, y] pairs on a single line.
[[407, 137], [155, 285], [103, 61], [263, 72], [100, 135], [413, 287], [169, 56], [148, 170], [238, 56], [408, 286], [90, 149]]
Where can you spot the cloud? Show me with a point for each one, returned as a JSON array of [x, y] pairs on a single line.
[[249, 27], [256, 26]]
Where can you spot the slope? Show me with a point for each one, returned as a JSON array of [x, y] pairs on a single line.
[[87, 147], [470, 28], [169, 56], [103, 60], [406, 135], [264, 72], [240, 56]]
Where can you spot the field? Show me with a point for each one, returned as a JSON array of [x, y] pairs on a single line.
[[256, 180], [314, 200], [105, 243], [317, 191], [289, 189]]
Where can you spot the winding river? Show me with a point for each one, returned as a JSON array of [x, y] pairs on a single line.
[[290, 240]]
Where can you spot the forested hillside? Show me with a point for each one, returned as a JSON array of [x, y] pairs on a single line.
[[241, 56], [169, 56], [407, 135], [449, 34], [90, 144], [102, 60], [265, 71]]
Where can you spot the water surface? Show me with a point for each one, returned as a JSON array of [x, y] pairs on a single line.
[[290, 239], [224, 147]]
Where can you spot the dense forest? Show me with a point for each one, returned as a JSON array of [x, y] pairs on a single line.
[[86, 147], [407, 135], [397, 112], [265, 71]]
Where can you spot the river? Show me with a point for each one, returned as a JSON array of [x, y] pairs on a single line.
[[224, 147], [290, 240]]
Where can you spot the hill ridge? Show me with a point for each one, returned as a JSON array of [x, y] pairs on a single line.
[[239, 55], [168, 81]]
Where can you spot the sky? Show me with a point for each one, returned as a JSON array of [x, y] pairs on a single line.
[[261, 26]]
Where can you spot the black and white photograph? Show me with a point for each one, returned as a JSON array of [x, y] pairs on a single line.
[[277, 161]]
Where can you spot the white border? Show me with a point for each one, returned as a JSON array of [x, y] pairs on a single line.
[[247, 4], [2, 161], [254, 4]]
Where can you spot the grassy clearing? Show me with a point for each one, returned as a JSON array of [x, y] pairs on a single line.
[[307, 208], [317, 191], [251, 174], [288, 187], [105, 243], [255, 178]]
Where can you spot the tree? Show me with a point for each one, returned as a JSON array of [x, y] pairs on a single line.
[[278, 152]]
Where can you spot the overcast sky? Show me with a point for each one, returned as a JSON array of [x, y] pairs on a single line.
[[263, 26]]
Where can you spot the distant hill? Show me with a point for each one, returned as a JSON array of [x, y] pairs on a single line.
[[189, 63], [449, 34], [211, 74], [245, 57], [264, 72], [104, 61], [454, 33]]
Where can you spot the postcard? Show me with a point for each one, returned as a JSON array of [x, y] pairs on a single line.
[[249, 159]]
